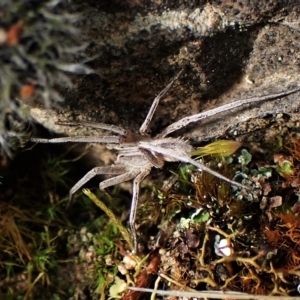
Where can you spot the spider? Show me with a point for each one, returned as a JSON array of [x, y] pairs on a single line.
[[138, 153]]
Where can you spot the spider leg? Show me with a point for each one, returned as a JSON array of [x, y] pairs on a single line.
[[117, 179], [139, 177], [203, 115], [156, 160], [181, 156], [214, 173], [89, 175], [80, 139], [145, 125], [134, 203], [108, 127]]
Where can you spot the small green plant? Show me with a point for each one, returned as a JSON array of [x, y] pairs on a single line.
[[35, 226], [116, 222], [220, 148]]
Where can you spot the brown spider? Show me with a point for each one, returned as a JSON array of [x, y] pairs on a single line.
[[138, 153]]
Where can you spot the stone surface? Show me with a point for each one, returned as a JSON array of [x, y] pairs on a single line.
[[230, 50]]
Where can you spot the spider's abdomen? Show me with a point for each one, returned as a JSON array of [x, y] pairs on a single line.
[[171, 145], [176, 144]]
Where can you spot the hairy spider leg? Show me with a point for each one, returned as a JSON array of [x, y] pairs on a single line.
[[195, 118], [181, 156], [108, 127], [80, 139], [118, 179], [144, 127], [87, 139], [138, 176], [113, 170], [134, 203], [156, 160]]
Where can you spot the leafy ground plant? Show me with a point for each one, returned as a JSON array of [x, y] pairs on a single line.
[[218, 239], [196, 233], [44, 246]]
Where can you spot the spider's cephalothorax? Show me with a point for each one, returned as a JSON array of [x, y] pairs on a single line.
[[135, 159]]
